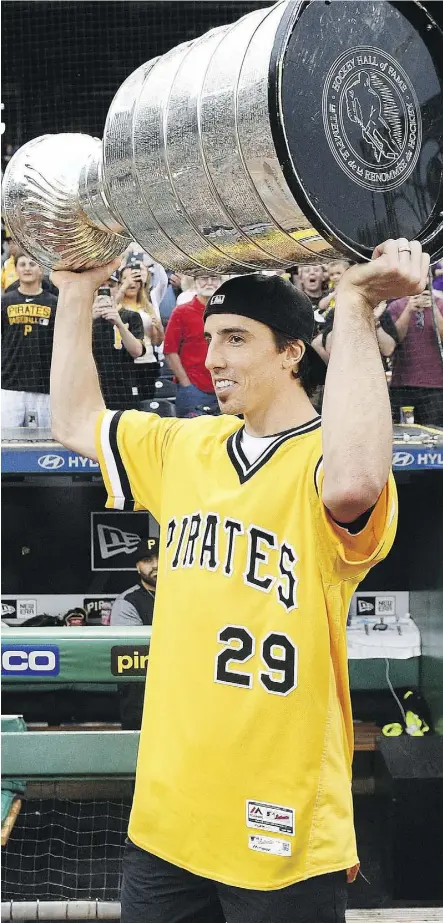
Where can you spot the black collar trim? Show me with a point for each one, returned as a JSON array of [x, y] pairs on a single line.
[[244, 469]]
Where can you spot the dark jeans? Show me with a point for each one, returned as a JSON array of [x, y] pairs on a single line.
[[154, 891], [191, 402], [427, 404]]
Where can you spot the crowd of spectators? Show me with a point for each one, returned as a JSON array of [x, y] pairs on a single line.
[[149, 348]]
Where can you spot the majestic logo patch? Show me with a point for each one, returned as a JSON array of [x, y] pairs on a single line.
[[371, 117], [272, 817]]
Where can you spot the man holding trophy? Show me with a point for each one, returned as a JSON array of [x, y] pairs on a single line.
[[269, 516], [246, 756]]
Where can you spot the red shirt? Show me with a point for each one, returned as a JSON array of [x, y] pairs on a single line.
[[184, 335]]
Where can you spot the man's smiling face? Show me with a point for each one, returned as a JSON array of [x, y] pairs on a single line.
[[244, 363]]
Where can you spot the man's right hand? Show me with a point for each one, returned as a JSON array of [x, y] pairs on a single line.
[[88, 280]]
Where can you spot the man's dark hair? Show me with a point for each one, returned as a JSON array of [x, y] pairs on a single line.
[[42, 621], [304, 372]]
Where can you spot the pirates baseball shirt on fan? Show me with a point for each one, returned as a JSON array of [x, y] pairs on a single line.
[[27, 331], [245, 759], [27, 334]]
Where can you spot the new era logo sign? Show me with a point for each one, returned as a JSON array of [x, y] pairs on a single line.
[[114, 541], [365, 605], [217, 299], [115, 537]]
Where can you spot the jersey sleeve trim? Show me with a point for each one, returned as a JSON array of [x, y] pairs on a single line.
[[113, 470], [360, 551], [317, 474], [355, 527]]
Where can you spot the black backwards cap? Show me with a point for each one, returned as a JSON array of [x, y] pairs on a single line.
[[272, 301]]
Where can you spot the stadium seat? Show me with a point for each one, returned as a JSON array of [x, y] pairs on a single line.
[[165, 388], [162, 407], [165, 371]]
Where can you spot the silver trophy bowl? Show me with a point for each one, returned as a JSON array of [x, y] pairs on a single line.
[[53, 206], [259, 145]]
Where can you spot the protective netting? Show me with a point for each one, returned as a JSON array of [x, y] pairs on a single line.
[[62, 64], [65, 850], [410, 337], [63, 61]]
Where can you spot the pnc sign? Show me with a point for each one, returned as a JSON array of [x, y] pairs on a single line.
[[30, 660]]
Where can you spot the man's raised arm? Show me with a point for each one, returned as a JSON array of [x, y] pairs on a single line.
[[357, 425], [76, 399]]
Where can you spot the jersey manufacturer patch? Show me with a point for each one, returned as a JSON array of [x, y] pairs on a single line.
[[264, 816], [267, 844]]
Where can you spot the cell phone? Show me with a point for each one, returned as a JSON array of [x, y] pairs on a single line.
[[136, 264], [105, 290]]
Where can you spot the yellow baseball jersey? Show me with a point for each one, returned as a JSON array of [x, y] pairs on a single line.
[[245, 758], [9, 273]]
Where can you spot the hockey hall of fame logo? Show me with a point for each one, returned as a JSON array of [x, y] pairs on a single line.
[[372, 118]]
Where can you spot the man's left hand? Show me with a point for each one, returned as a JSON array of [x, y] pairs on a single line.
[[398, 268]]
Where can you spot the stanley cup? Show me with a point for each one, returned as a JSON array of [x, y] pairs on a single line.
[[304, 131]]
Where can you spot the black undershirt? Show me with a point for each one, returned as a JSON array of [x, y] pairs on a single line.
[[358, 524]]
